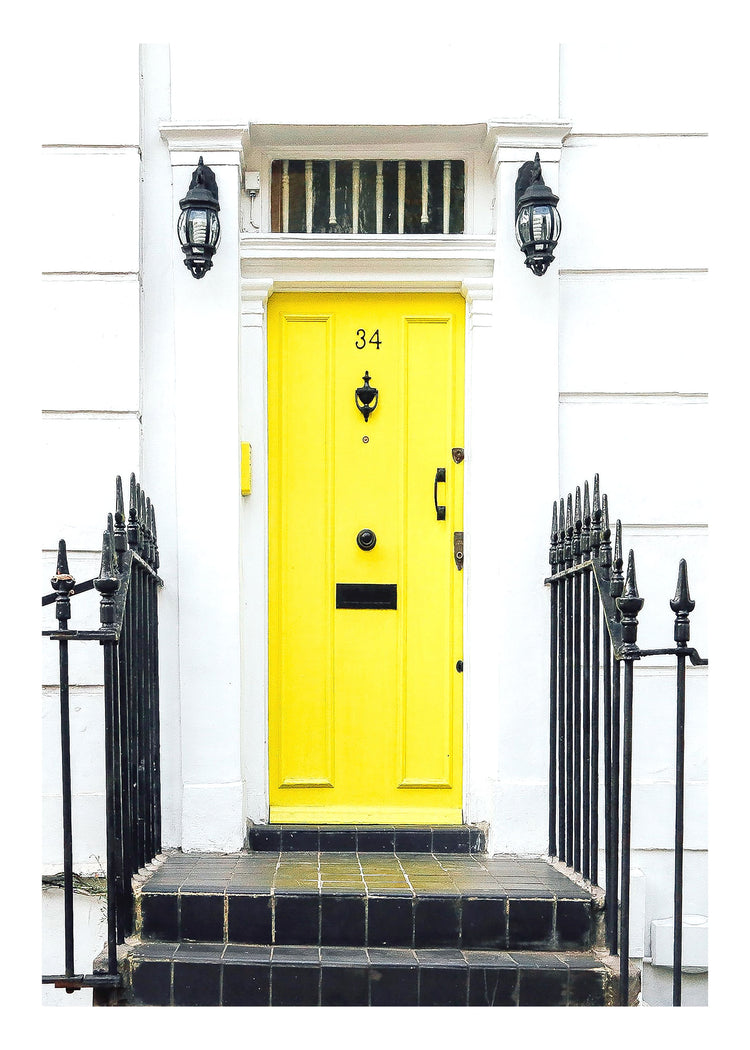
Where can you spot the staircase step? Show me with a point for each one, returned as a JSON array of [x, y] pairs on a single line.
[[367, 838], [374, 900], [219, 974]]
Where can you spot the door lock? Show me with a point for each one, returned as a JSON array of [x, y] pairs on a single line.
[[458, 549], [366, 539]]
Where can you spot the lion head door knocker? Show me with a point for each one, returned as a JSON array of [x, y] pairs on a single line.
[[366, 397]]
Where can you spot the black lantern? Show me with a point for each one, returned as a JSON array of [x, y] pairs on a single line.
[[198, 226], [537, 218]]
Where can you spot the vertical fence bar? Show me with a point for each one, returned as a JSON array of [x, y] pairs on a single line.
[[553, 617], [681, 605], [569, 727], [595, 736], [107, 584], [679, 831], [586, 699], [561, 677], [627, 769], [596, 539], [155, 680], [63, 583], [577, 769], [630, 604]]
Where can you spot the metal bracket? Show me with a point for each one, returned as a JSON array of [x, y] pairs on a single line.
[[458, 549]]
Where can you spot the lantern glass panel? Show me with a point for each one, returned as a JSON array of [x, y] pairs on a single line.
[[214, 229], [198, 226], [523, 226]]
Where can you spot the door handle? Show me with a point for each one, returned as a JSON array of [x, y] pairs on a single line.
[[439, 479]]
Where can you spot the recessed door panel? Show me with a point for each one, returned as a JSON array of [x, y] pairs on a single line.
[[365, 702]]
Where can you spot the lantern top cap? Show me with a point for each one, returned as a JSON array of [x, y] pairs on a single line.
[[203, 189], [531, 187]]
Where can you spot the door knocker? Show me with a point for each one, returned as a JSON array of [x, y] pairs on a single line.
[[364, 395]]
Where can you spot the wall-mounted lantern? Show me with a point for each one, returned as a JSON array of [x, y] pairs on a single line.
[[198, 226], [538, 222]]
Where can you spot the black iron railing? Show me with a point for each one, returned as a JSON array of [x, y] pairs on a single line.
[[128, 583], [593, 649]]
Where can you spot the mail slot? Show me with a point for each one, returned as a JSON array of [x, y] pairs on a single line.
[[365, 595]]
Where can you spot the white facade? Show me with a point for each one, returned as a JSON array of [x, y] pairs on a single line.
[[599, 366]]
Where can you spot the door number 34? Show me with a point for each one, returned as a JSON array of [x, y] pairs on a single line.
[[362, 339]]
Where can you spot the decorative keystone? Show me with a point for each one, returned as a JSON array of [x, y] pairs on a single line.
[[630, 604], [682, 605]]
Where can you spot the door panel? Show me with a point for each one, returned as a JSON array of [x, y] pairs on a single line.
[[365, 704]]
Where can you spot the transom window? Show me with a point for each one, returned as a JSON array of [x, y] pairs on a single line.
[[367, 196]]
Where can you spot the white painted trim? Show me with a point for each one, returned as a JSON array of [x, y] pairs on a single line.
[[359, 141], [197, 138], [632, 397], [517, 141], [254, 295], [380, 246]]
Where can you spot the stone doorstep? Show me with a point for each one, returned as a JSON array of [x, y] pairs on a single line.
[[435, 838], [449, 901], [219, 974]]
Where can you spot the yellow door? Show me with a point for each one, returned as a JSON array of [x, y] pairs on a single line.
[[365, 697]]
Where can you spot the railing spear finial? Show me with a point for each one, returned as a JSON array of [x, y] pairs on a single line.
[[107, 581], [569, 533], [147, 532], [561, 536], [605, 553], [630, 604], [553, 540], [586, 530], [596, 518], [682, 605], [142, 538], [617, 577], [153, 533], [578, 524], [63, 583], [133, 515], [121, 539]]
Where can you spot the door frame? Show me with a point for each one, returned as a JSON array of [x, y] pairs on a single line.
[[253, 427]]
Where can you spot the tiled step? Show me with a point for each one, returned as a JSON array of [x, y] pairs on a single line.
[[171, 974], [366, 838], [366, 900]]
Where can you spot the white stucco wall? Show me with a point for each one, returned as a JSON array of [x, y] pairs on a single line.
[[601, 366]]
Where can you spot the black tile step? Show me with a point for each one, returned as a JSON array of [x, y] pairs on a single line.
[[171, 974], [373, 900], [369, 838]]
